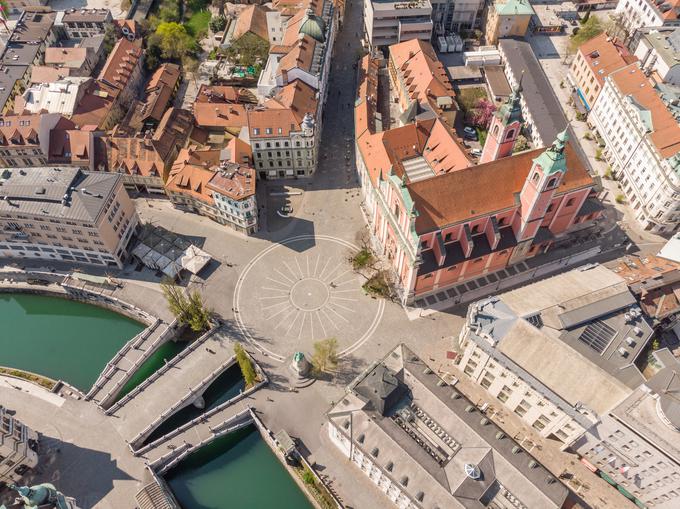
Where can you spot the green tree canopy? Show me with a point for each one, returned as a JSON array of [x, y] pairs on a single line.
[[325, 356], [248, 50], [172, 39], [589, 29], [246, 365], [188, 310]]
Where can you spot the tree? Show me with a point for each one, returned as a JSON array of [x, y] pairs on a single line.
[[246, 365], [617, 28], [325, 356], [483, 113], [177, 301], [589, 29], [198, 316], [188, 310], [217, 23], [521, 144], [172, 39], [109, 38], [249, 49]]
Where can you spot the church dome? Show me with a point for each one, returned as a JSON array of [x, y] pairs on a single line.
[[313, 26]]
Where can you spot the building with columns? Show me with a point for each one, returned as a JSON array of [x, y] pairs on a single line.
[[504, 129], [440, 220]]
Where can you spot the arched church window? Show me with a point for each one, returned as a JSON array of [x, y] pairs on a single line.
[[495, 130], [511, 134], [552, 182]]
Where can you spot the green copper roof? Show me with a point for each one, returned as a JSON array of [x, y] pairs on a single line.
[[553, 159], [511, 110], [314, 26], [514, 7]]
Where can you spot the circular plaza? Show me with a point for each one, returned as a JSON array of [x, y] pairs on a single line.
[[303, 290]]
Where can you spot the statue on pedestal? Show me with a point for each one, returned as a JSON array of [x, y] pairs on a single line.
[[43, 496], [300, 364]]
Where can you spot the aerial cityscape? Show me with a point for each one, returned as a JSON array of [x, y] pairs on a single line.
[[294, 254]]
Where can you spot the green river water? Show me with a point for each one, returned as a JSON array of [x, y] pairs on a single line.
[[72, 341], [59, 338]]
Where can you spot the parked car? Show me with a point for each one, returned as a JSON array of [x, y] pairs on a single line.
[[476, 152], [470, 133]]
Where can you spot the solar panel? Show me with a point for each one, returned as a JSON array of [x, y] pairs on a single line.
[[597, 335], [535, 320]]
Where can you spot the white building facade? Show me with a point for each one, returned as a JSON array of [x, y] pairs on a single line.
[[636, 444], [647, 161], [659, 52], [390, 22], [647, 13]]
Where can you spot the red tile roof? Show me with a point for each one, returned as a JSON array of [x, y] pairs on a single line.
[[604, 55], [121, 63], [665, 135], [252, 19], [483, 189]]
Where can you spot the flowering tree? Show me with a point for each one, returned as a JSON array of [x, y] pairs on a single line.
[[483, 112]]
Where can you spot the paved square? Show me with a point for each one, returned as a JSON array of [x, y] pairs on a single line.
[[304, 290]]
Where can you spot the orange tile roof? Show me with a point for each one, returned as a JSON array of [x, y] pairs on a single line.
[[367, 96], [220, 115], [252, 19], [46, 74], [604, 55], [167, 74], [150, 155], [301, 56], [297, 96], [70, 146], [237, 181], [191, 172], [20, 130], [95, 105], [72, 57], [483, 189], [271, 118], [224, 94], [423, 74], [121, 62], [665, 135], [238, 151]]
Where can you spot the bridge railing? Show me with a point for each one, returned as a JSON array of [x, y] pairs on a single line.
[[161, 339], [203, 417], [169, 365], [160, 464], [193, 393], [111, 366]]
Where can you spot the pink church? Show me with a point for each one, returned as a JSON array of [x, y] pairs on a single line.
[[442, 220]]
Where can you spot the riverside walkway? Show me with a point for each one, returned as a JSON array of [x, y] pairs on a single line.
[[119, 370], [179, 383]]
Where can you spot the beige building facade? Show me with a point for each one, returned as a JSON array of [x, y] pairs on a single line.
[[65, 214]]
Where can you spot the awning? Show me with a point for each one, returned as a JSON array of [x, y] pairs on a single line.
[[580, 102], [89, 278], [194, 259]]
